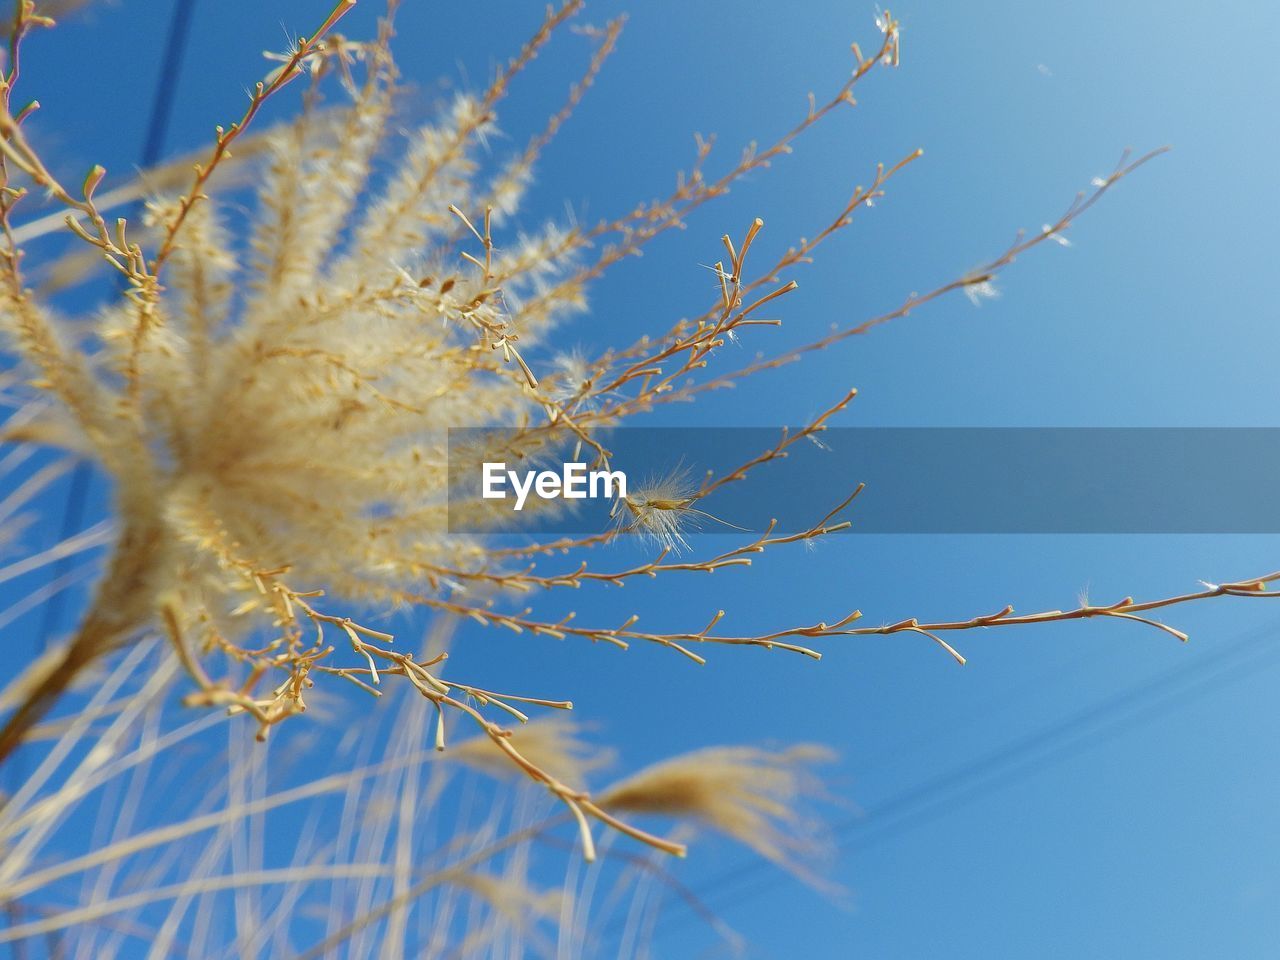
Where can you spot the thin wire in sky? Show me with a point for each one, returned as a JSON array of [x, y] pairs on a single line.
[[1016, 761], [162, 102]]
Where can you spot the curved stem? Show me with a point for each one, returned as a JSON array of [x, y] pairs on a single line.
[[120, 609]]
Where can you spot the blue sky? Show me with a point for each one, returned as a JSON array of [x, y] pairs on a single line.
[[1017, 819]]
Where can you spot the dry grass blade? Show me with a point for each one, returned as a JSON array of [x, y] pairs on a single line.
[[273, 408]]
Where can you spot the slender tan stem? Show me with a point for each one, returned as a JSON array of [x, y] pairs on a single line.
[[117, 613]]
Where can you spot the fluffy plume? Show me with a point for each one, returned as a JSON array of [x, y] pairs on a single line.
[[553, 743], [756, 796], [273, 413]]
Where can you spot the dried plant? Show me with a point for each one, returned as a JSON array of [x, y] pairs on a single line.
[[167, 841], [274, 423], [751, 794]]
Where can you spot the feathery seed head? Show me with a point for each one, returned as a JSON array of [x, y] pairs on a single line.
[[756, 796]]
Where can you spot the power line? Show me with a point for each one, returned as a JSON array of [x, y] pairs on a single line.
[[1017, 760], [1072, 747], [162, 101]]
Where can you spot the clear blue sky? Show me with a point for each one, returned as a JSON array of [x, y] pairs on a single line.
[[1002, 815]]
